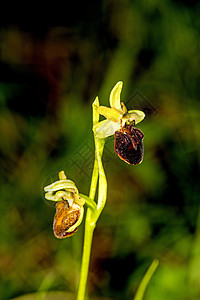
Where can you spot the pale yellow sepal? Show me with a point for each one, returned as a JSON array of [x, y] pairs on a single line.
[[115, 96], [109, 113], [62, 184], [106, 128]]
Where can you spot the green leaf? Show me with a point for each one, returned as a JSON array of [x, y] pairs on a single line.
[[145, 281]]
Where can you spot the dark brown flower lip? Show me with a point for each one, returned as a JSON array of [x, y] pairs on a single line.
[[129, 144]]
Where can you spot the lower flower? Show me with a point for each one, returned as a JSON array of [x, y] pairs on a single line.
[[69, 206]]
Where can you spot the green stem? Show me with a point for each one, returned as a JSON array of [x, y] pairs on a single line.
[[93, 213], [90, 224], [89, 229]]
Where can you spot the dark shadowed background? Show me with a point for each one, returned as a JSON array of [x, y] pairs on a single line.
[[53, 63]]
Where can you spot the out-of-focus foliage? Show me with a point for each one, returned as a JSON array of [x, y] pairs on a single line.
[[49, 77]]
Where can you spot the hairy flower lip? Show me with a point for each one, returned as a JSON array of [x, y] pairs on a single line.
[[67, 219]]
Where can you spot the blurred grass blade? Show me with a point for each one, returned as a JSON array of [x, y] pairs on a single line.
[[145, 281], [45, 286]]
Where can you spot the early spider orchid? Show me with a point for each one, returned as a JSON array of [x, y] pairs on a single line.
[[69, 206]]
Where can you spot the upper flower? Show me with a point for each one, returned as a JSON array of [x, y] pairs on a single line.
[[69, 206], [116, 115]]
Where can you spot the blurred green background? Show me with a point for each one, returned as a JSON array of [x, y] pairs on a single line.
[[52, 66]]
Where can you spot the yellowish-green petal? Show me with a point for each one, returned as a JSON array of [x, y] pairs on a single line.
[[105, 128], [109, 113], [135, 115], [115, 96], [61, 175]]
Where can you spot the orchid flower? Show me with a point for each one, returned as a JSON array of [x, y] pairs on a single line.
[[116, 115], [69, 206]]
